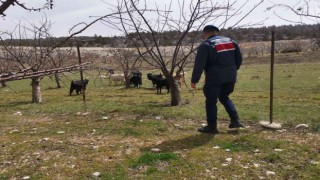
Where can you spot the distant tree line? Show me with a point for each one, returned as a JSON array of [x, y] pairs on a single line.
[[285, 32]]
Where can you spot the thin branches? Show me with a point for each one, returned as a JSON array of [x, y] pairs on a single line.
[[305, 10], [7, 3], [25, 74], [299, 11]]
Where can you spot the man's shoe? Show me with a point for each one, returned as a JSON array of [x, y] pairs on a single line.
[[236, 125], [208, 129]]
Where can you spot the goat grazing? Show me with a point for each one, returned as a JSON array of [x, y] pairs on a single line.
[[77, 85], [115, 78], [161, 83], [152, 78], [136, 81], [136, 78]]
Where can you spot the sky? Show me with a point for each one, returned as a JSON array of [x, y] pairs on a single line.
[[66, 13]]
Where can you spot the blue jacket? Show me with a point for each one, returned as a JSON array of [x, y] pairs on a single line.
[[220, 58]]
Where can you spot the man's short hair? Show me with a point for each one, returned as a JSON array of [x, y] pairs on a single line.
[[210, 28]]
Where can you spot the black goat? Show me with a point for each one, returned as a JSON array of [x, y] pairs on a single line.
[[152, 78], [161, 83], [136, 80], [77, 85]]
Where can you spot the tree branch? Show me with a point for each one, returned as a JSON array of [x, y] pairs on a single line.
[[6, 4]]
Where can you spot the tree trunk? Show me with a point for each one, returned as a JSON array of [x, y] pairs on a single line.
[[36, 91], [56, 77], [127, 81], [175, 92]]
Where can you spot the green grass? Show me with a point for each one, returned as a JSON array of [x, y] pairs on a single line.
[[152, 158], [296, 97], [139, 120]]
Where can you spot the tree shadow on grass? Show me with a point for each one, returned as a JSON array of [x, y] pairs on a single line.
[[53, 88], [16, 103], [149, 88], [186, 143], [153, 90], [155, 104]]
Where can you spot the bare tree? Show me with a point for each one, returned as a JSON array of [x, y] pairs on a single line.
[[7, 3], [316, 40], [277, 47], [37, 55], [4, 65], [297, 45], [145, 27], [127, 59], [60, 57], [30, 57]]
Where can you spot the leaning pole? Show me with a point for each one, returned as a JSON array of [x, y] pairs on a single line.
[[271, 124], [81, 76]]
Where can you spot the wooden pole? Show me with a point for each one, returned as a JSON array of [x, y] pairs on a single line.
[[271, 76], [81, 76]]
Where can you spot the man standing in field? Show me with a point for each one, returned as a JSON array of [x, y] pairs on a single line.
[[220, 58]]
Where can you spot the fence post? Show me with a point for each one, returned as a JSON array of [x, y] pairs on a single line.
[[81, 76], [271, 76]]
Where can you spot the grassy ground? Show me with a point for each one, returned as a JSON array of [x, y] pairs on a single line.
[[117, 137]]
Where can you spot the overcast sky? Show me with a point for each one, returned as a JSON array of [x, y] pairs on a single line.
[[67, 13]]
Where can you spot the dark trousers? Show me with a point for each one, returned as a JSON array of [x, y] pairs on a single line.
[[213, 92]]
